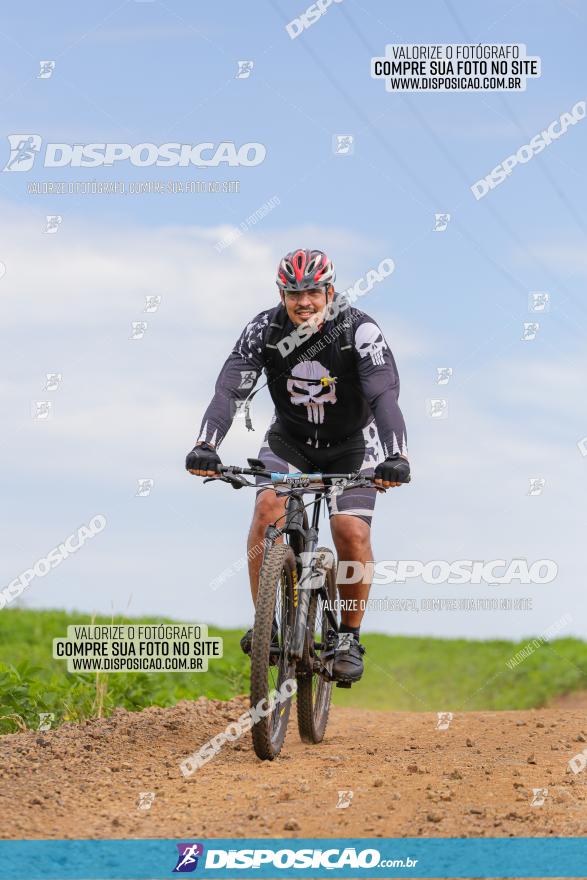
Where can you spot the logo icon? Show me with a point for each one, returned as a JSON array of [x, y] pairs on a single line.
[[443, 375], [344, 799], [53, 381], [539, 301], [144, 488], [240, 409], [53, 222], [248, 378], [578, 762], [539, 796], [138, 329], [41, 410], [437, 407], [441, 222], [187, 860], [23, 151], [45, 721], [343, 144], [337, 486], [531, 328], [444, 719], [47, 68], [145, 800], [537, 485], [245, 68], [152, 303]]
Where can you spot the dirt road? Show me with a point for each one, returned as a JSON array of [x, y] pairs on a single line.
[[408, 778]]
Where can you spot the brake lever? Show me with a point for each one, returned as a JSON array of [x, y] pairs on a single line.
[[235, 480]]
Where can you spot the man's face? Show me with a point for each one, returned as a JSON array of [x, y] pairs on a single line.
[[307, 305]]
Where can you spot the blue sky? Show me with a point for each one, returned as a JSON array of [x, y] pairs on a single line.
[[127, 409]]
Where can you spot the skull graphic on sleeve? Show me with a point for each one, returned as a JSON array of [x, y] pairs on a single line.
[[312, 386], [369, 341], [373, 450]]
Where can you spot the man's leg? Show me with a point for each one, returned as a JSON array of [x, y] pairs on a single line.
[[352, 539], [351, 533], [276, 456], [268, 507]]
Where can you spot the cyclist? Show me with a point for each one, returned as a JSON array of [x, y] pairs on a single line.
[[335, 386]]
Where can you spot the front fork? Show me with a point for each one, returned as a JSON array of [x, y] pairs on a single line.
[[303, 592], [304, 540]]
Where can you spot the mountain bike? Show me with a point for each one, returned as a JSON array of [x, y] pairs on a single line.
[[296, 617]]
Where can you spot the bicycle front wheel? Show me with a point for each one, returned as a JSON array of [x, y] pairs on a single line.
[[272, 672]]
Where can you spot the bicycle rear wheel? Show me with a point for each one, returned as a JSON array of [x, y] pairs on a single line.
[[270, 665], [314, 691]]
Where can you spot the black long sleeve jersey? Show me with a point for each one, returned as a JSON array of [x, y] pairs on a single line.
[[325, 388]]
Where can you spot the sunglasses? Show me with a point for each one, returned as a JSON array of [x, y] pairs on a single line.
[[295, 295]]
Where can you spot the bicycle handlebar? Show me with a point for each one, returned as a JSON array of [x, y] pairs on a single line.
[[310, 482]]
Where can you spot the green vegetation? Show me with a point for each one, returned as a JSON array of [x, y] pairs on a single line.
[[459, 675], [409, 674], [31, 681]]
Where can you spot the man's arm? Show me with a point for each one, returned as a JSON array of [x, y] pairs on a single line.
[[380, 384], [236, 380]]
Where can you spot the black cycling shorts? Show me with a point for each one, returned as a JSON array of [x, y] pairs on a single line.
[[361, 452]]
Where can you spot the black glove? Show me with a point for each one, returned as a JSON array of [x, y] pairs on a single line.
[[202, 458], [394, 469]]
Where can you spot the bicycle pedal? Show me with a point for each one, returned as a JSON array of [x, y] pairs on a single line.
[[343, 684]]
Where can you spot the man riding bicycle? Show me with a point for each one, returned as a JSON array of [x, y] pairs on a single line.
[[335, 386]]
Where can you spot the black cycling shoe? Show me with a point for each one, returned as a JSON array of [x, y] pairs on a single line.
[[247, 644], [348, 658]]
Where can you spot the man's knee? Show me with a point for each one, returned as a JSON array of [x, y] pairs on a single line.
[[267, 507], [350, 532]]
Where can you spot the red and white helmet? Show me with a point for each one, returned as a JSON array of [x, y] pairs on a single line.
[[305, 269]]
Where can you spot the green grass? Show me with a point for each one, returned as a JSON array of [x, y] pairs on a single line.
[[31, 681], [424, 674], [412, 674]]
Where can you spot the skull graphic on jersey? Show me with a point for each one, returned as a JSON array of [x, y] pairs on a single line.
[[312, 386]]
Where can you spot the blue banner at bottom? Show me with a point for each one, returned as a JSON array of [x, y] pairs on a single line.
[[283, 857]]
